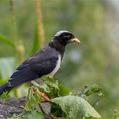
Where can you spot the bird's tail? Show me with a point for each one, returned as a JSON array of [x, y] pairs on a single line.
[[5, 88]]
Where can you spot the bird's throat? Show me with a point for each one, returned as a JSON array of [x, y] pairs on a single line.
[[58, 46]]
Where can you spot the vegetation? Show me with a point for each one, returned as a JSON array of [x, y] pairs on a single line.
[[90, 70]]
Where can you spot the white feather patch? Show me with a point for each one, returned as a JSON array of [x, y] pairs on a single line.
[[57, 66], [60, 32]]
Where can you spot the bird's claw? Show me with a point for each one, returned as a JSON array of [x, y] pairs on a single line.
[[41, 94]]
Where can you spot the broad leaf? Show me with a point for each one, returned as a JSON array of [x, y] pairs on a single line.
[[76, 107]]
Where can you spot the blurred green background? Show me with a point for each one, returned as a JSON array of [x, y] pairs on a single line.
[[94, 62]]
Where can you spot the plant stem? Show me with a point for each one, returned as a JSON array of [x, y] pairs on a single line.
[[19, 47], [13, 20], [39, 22], [18, 43]]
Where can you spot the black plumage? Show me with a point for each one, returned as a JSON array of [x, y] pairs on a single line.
[[41, 63]]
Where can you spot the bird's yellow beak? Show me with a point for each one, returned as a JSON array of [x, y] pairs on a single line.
[[75, 40]]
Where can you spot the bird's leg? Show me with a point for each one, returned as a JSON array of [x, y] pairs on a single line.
[[44, 96], [41, 94]]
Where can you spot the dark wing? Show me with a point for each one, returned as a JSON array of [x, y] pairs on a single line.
[[43, 67], [22, 74], [40, 64]]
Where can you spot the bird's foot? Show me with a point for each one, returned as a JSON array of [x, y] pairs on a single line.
[[44, 96], [41, 94]]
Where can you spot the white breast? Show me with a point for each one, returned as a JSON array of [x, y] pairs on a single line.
[[57, 66]]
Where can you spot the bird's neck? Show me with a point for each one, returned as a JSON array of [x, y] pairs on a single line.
[[57, 46]]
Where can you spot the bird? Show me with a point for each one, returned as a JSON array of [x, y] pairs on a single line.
[[46, 62]]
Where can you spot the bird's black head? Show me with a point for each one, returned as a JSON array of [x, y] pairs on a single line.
[[64, 37], [61, 39]]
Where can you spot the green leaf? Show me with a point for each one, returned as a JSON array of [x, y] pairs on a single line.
[[56, 89], [34, 114], [52, 83], [42, 86], [63, 91], [51, 87], [33, 99], [6, 41], [93, 90], [76, 107], [29, 115]]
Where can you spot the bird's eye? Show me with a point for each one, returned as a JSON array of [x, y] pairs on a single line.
[[68, 36]]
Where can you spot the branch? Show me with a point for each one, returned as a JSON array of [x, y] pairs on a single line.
[[10, 107], [14, 106]]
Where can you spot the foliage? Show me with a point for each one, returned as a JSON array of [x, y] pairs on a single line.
[[29, 115], [69, 106], [6, 41], [94, 62]]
